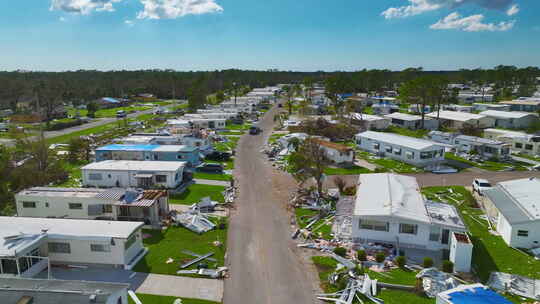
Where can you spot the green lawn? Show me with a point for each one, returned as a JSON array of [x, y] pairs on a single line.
[[354, 170], [212, 176], [274, 137], [194, 194], [107, 112], [489, 165], [407, 132], [75, 174], [325, 267], [95, 130], [527, 156], [227, 146], [388, 164], [244, 126], [395, 276], [303, 215], [238, 133], [165, 244], [490, 252], [153, 299]]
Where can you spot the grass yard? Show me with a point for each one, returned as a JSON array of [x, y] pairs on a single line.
[[354, 170], [527, 156], [387, 164], [153, 299], [303, 215], [489, 165], [395, 276], [325, 267], [402, 297], [407, 132], [242, 127], [274, 138], [169, 243], [237, 133], [490, 252], [95, 130], [75, 175], [229, 145], [323, 228], [194, 194], [107, 112], [212, 176]]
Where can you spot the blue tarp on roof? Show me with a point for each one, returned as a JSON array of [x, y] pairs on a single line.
[[110, 100], [478, 295], [117, 147]]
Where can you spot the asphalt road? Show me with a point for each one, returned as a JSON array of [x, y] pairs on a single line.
[[265, 265], [95, 123], [454, 179]]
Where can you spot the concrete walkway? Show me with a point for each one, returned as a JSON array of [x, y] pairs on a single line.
[[156, 284], [365, 164], [176, 286], [212, 182]]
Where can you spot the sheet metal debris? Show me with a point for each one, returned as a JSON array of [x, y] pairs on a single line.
[[362, 285], [212, 273], [194, 221], [196, 260], [435, 281], [515, 284]]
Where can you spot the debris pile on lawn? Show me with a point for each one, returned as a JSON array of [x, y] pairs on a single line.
[[435, 281], [230, 195], [356, 285], [206, 205], [515, 284], [194, 221], [219, 273]]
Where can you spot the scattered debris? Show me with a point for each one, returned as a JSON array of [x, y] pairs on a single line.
[[169, 261], [197, 260], [221, 272], [435, 281], [515, 284], [206, 205], [194, 221], [363, 285]]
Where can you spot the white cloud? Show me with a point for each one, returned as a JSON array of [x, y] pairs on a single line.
[[129, 22], [417, 7], [171, 9], [83, 7], [62, 19], [514, 9], [473, 23]]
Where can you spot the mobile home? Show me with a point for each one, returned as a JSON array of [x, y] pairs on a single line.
[[520, 142], [511, 120], [413, 122], [415, 151], [190, 155], [460, 120]]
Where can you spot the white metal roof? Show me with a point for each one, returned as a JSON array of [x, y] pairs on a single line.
[[401, 140], [368, 117], [126, 165], [403, 116], [32, 229], [457, 116], [524, 194], [392, 195], [62, 192], [504, 114], [174, 148]]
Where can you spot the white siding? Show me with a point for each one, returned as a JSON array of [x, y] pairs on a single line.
[[126, 178], [58, 207]]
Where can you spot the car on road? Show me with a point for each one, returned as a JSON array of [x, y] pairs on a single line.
[[254, 130], [121, 114], [218, 156], [479, 185], [210, 168]]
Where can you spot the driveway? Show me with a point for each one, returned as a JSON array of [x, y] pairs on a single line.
[[265, 265], [157, 284]]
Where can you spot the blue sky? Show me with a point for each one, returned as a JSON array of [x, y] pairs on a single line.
[[304, 35]]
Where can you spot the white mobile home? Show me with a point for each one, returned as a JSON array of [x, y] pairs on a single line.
[[415, 151], [457, 108], [490, 106], [29, 245], [138, 174], [523, 105], [471, 144], [336, 153], [513, 206], [150, 206], [41, 291], [511, 120], [413, 122], [460, 120], [369, 122], [390, 209], [474, 97], [520, 142]]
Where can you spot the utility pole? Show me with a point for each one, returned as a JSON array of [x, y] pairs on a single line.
[[235, 92]]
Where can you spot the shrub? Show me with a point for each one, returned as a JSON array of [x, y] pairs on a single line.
[[361, 255], [428, 262], [359, 270], [401, 261], [349, 191], [379, 257], [448, 266], [340, 251], [342, 282]]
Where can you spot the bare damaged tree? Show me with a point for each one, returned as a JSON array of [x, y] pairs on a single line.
[[309, 161], [341, 183]]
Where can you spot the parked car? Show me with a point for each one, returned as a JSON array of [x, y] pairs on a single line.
[[218, 156], [479, 185], [210, 168], [121, 114], [253, 130]]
